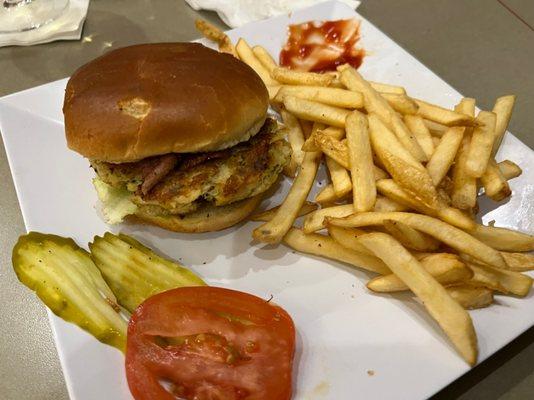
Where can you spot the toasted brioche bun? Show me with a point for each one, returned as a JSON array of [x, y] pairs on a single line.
[[209, 218], [152, 99]]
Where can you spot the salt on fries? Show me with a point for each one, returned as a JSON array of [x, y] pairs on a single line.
[[403, 194]]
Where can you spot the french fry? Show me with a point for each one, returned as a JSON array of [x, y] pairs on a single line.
[[214, 34], [335, 133], [361, 162], [386, 88], [466, 106], [295, 136], [422, 134], [452, 318], [401, 103], [442, 115], [292, 77], [446, 268], [464, 192], [327, 196], [265, 58], [385, 204], [435, 128], [324, 246], [390, 189], [456, 218], [401, 165], [481, 144], [444, 154], [446, 233], [332, 96], [340, 178], [503, 110], [317, 112], [470, 297], [247, 56], [519, 262], [267, 215], [375, 103], [349, 238], [496, 186], [315, 221], [509, 282], [410, 237], [333, 148], [509, 169], [274, 230], [503, 239], [273, 91]]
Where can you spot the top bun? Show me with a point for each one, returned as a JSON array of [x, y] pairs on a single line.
[[152, 99]]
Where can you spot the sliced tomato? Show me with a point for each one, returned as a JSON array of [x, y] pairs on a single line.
[[209, 343]]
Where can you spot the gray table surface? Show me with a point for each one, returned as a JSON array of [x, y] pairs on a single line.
[[482, 48]]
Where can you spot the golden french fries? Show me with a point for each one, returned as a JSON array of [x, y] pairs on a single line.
[[481, 144], [327, 196], [387, 88], [503, 239], [315, 221], [495, 184], [274, 230], [340, 178], [317, 112], [444, 154], [446, 268], [410, 237], [401, 103], [509, 169], [503, 110], [265, 58], [508, 282], [401, 165], [292, 77], [331, 96], [391, 153], [422, 134], [446, 233], [361, 162], [246, 55], [375, 103], [519, 262], [453, 319], [470, 297], [325, 246], [214, 34], [442, 115], [267, 215]]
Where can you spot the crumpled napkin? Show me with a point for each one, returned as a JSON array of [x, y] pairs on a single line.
[[68, 26], [239, 12]]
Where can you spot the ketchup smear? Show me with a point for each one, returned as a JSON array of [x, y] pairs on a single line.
[[322, 46]]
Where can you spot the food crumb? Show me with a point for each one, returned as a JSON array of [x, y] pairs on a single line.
[[370, 372], [204, 263]]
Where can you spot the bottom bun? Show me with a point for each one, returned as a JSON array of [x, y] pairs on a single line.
[[208, 218]]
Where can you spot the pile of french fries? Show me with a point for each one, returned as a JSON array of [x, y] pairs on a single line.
[[405, 177]]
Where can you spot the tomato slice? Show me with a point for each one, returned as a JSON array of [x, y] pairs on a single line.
[[209, 343]]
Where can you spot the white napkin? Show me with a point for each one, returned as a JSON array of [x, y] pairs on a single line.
[[239, 12], [68, 26]]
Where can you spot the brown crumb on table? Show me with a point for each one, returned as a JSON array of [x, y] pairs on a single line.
[[370, 372]]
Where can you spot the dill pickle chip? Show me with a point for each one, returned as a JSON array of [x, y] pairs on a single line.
[[134, 272], [66, 279]]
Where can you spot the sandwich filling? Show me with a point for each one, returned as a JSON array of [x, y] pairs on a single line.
[[178, 184]]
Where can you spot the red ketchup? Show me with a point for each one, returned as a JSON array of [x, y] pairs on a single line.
[[322, 46]]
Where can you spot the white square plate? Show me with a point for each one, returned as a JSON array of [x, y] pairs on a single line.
[[343, 330]]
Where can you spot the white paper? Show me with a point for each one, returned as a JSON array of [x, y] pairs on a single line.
[[68, 26], [240, 12]]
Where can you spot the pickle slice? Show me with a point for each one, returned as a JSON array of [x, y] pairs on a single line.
[[134, 272], [66, 279]]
